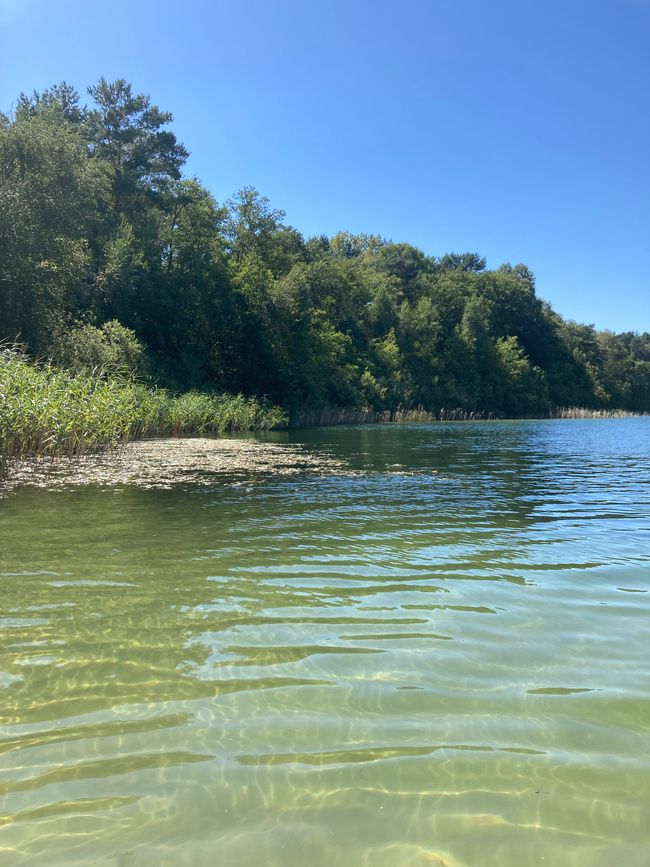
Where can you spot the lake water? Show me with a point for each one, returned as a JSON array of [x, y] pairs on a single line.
[[427, 646]]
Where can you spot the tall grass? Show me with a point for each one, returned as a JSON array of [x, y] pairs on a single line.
[[329, 415], [365, 415], [584, 412], [48, 411]]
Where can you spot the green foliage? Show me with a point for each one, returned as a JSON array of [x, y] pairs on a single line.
[[110, 260], [48, 209], [252, 226], [462, 262], [127, 134], [60, 103], [109, 349], [344, 245], [522, 386]]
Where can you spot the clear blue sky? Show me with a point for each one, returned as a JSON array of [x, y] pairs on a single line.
[[516, 128]]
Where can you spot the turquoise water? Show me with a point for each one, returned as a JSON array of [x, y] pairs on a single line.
[[429, 646]]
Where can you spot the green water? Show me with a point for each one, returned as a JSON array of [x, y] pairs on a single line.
[[437, 656]]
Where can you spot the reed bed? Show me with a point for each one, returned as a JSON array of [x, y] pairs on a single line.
[[45, 410], [365, 415], [585, 412]]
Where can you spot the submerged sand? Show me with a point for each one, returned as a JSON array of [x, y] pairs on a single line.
[[162, 463]]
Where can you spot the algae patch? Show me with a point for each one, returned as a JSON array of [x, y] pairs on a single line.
[[162, 463]]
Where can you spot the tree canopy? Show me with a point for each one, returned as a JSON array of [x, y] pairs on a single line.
[[107, 252]]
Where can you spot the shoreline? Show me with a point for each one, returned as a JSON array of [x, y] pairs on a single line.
[[165, 461], [360, 415]]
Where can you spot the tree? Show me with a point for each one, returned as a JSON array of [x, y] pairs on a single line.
[[128, 133], [48, 205], [406, 263], [521, 385], [61, 100], [253, 226], [345, 245], [462, 262]]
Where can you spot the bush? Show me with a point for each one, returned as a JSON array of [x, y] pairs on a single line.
[[112, 348]]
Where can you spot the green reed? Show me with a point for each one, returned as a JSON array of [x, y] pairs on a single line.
[[45, 410], [365, 415]]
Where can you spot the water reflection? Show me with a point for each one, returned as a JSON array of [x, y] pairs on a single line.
[[433, 653]]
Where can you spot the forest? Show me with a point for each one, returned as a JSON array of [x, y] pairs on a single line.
[[113, 261]]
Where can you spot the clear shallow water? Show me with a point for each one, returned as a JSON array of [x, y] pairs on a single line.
[[438, 657]]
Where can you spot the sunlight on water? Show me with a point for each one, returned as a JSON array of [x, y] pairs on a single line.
[[427, 647]]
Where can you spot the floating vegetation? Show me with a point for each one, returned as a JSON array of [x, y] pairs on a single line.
[[163, 463]]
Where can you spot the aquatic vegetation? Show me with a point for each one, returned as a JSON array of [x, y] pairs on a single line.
[[164, 463], [365, 415], [45, 410], [330, 415], [586, 412]]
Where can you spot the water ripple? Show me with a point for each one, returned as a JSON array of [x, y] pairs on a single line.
[[410, 645]]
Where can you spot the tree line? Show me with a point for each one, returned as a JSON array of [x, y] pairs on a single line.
[[111, 258]]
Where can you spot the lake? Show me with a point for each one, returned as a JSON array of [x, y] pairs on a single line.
[[418, 645]]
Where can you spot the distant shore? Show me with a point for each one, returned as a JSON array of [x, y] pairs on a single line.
[[363, 415]]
